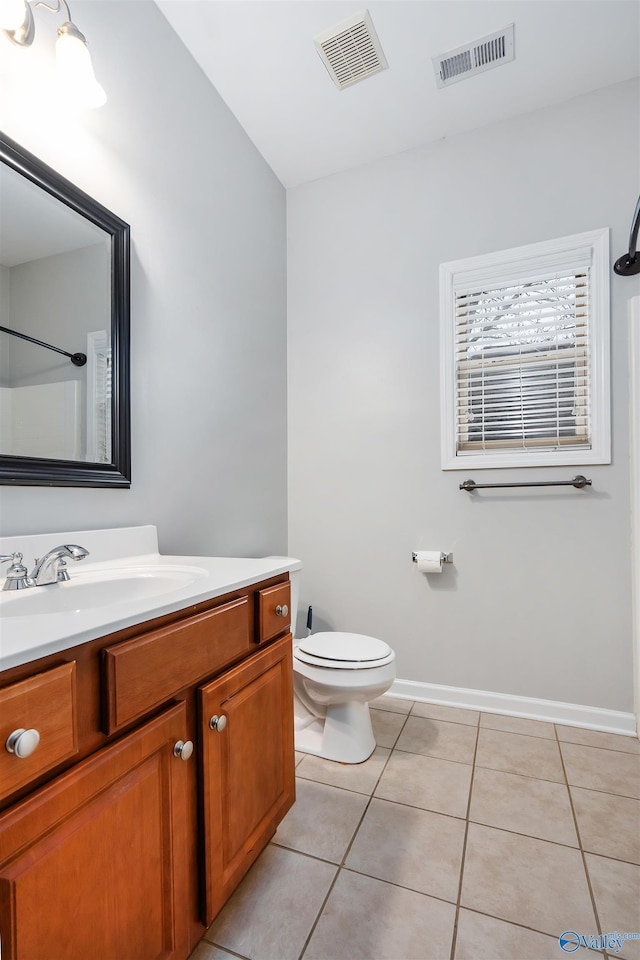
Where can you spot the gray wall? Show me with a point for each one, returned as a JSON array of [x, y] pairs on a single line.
[[538, 602], [208, 329]]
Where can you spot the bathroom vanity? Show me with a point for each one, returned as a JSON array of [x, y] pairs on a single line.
[[165, 758]]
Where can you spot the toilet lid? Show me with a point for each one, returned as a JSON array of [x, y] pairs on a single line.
[[344, 647]]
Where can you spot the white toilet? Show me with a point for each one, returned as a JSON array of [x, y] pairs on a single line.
[[335, 675]]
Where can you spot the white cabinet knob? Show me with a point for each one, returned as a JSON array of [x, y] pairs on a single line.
[[22, 743], [218, 723], [183, 749], [282, 610]]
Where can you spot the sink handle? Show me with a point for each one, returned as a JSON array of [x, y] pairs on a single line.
[[17, 576]]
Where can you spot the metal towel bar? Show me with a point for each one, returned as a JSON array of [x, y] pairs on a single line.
[[78, 359], [579, 482]]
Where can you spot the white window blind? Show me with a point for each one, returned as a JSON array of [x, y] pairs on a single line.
[[525, 355], [522, 364], [103, 406], [99, 396]]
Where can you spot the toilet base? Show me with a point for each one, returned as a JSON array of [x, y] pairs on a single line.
[[344, 735]]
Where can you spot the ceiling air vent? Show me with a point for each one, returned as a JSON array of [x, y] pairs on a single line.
[[474, 57], [351, 51]]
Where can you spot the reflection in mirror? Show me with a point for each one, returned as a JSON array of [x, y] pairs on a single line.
[[54, 286], [64, 408]]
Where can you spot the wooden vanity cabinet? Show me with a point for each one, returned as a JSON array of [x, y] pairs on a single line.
[[248, 780], [95, 863], [124, 851]]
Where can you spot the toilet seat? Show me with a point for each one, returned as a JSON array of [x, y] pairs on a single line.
[[343, 651]]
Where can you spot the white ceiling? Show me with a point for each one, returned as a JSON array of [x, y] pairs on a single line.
[[261, 58]]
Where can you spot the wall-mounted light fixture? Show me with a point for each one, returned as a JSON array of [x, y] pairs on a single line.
[[73, 61]]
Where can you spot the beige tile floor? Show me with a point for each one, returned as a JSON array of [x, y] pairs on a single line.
[[465, 836]]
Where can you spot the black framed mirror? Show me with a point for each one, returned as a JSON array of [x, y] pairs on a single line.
[[64, 331]]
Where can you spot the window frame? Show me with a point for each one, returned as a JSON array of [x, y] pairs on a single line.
[[507, 267]]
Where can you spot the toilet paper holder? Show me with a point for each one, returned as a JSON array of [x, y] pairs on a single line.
[[444, 557]]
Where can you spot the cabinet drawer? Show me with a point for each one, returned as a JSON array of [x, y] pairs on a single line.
[[46, 703], [143, 673], [272, 623]]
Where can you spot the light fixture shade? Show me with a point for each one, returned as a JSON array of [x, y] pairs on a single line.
[[13, 14], [75, 70]]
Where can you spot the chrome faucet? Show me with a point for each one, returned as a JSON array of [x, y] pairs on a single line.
[[52, 567]]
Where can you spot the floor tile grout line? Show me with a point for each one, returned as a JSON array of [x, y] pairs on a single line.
[[580, 846], [479, 822], [344, 867], [578, 786], [305, 853], [454, 932], [369, 795], [232, 953], [528, 836], [467, 820], [606, 856], [319, 914], [412, 806], [483, 713], [609, 793], [359, 793], [453, 723], [396, 885], [395, 713], [445, 706], [458, 723], [341, 863], [345, 855], [464, 763], [593, 746], [351, 789], [575, 743], [606, 793], [322, 860], [482, 766], [512, 923], [597, 746], [335, 786]]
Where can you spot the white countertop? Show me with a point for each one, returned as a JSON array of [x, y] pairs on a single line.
[[126, 557]]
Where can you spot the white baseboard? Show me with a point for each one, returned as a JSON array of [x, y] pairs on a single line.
[[554, 711]]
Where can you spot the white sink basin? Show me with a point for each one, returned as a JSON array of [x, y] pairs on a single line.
[[86, 591], [123, 582]]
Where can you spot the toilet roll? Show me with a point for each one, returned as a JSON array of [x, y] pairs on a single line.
[[428, 561]]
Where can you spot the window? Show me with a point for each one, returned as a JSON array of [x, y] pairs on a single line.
[[525, 355], [99, 396]]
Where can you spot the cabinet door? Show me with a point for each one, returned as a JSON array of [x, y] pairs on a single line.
[[95, 863], [248, 765]]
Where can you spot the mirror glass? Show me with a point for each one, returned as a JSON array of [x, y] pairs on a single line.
[[64, 304]]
